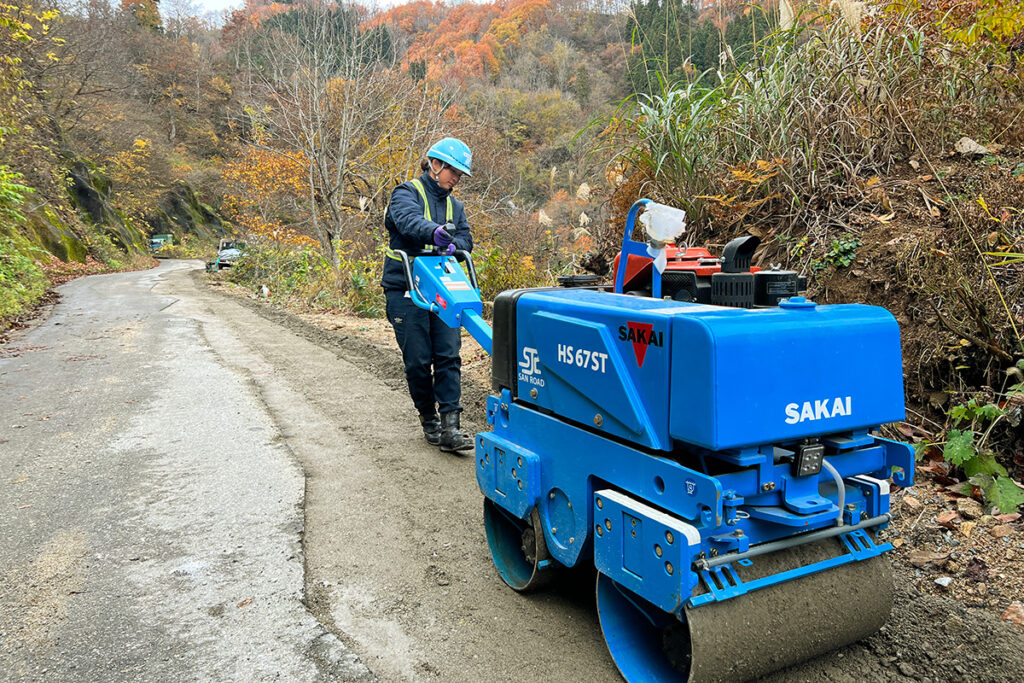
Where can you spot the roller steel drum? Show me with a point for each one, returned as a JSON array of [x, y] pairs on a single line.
[[754, 634]]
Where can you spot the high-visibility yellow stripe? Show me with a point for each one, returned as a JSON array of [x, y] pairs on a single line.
[[426, 214], [426, 207], [423, 195]]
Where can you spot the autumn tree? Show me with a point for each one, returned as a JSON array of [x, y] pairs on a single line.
[[325, 95]]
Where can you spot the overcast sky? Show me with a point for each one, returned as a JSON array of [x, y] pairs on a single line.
[[217, 5]]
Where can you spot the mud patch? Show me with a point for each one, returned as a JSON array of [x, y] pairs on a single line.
[[35, 598]]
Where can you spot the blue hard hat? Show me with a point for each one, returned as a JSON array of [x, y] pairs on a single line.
[[453, 152]]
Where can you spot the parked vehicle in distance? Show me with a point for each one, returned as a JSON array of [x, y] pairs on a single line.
[[228, 252], [157, 242]]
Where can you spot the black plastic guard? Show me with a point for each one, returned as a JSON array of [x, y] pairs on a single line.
[[504, 361]]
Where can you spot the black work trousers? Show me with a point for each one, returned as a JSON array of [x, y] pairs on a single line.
[[430, 349]]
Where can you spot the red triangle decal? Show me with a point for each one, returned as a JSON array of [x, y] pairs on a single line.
[[641, 334]]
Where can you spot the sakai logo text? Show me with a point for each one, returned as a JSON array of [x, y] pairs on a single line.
[[818, 410], [529, 367], [643, 336]]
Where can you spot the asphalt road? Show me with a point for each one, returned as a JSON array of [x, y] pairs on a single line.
[[152, 511], [171, 463]]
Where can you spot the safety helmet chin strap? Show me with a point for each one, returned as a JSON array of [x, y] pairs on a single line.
[[435, 174]]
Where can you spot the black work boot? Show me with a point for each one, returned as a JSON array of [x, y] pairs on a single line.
[[452, 439], [431, 428]]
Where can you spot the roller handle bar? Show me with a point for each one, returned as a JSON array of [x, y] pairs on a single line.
[[631, 247], [414, 292]]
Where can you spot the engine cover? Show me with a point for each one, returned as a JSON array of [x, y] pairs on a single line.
[[653, 371]]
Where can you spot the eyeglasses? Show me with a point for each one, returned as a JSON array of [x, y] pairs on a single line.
[[458, 174]]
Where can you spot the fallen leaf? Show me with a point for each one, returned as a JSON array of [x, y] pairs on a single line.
[[977, 570], [1014, 613], [926, 178], [907, 429], [920, 558], [946, 519], [1008, 517], [967, 528], [886, 218], [245, 602], [897, 542]]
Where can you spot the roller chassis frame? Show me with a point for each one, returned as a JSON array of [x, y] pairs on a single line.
[[522, 467]]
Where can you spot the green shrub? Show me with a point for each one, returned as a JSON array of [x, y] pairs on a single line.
[[967, 445], [301, 271], [22, 282]]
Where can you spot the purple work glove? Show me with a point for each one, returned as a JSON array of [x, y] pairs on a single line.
[[451, 249], [442, 238]]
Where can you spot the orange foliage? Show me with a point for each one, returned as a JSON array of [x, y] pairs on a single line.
[[266, 185], [263, 174], [266, 233], [470, 40]]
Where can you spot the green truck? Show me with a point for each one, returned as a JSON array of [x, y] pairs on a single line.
[[161, 240]]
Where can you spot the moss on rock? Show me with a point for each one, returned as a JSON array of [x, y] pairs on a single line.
[[180, 212]]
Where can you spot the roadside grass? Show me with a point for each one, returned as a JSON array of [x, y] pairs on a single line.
[[22, 281], [822, 106]]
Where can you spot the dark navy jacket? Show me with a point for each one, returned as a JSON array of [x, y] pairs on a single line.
[[410, 231]]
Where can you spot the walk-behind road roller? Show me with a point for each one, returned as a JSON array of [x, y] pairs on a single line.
[[702, 434]]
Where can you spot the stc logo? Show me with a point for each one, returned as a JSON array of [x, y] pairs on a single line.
[[528, 365]]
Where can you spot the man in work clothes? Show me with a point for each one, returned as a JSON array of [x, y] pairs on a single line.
[[424, 217]]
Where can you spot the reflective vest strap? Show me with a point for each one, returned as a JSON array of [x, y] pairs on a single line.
[[423, 195], [426, 214], [426, 207]]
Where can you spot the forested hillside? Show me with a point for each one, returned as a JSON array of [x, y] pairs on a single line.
[[875, 147]]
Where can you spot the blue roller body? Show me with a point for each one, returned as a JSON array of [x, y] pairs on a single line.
[[664, 441], [658, 371]]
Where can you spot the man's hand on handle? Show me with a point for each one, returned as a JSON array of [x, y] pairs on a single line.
[[442, 237]]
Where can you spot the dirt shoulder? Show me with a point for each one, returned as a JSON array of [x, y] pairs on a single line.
[[958, 576]]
